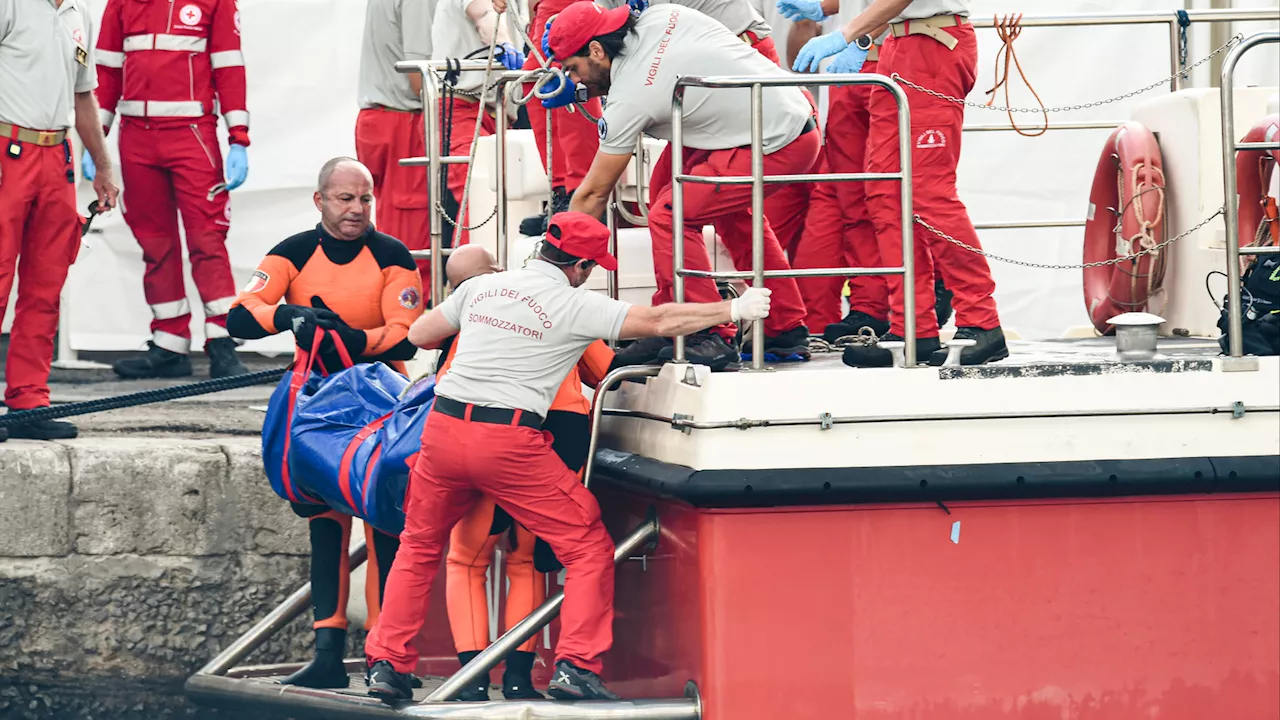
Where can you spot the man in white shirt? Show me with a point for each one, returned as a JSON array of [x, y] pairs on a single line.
[[47, 78], [932, 44], [519, 332], [641, 60]]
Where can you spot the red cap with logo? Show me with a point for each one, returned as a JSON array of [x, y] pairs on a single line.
[[581, 236], [577, 24]]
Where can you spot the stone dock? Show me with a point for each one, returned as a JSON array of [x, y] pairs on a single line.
[[134, 553]]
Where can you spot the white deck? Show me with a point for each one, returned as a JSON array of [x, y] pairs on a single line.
[[1051, 401]]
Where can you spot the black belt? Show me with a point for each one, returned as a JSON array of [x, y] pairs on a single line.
[[809, 125], [491, 415]]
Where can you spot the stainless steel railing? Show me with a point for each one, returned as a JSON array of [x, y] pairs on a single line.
[[757, 180], [1231, 202]]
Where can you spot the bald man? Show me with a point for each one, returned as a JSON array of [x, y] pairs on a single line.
[[472, 540], [344, 276]]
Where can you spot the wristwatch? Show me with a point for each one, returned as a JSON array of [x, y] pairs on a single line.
[[863, 43]]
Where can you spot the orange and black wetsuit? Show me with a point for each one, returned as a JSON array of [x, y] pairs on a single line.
[[472, 541], [373, 286]]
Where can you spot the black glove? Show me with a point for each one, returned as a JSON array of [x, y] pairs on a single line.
[[301, 320], [353, 339]]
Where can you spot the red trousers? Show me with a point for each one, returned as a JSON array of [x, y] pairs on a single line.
[[838, 229], [40, 225], [383, 137], [935, 152], [574, 139], [728, 208], [460, 461], [460, 115], [167, 171]]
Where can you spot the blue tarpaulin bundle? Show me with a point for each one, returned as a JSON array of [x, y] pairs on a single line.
[[346, 440]]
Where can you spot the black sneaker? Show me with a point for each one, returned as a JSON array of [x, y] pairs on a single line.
[[574, 683], [517, 677], [990, 348], [43, 430], [790, 346], [326, 669], [852, 325], [222, 358], [875, 356], [645, 351], [4, 434], [388, 685], [704, 348], [535, 225], [942, 302], [157, 363]]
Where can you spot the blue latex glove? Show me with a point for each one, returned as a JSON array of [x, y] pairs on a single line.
[[87, 168], [546, 40], [563, 95], [510, 57], [848, 60], [637, 6], [237, 167], [801, 10], [815, 50]]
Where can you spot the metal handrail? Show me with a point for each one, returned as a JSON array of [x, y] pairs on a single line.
[[597, 408], [757, 83], [1231, 203], [480, 665]]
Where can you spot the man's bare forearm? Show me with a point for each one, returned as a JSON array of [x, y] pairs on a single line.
[[874, 18], [89, 127], [686, 318]]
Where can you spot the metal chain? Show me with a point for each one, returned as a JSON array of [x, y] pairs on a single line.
[[1067, 108], [865, 337], [445, 216], [1041, 266]]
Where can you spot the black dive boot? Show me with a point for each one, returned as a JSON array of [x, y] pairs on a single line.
[[40, 430], [222, 358], [478, 691], [326, 670], [942, 302], [573, 683], [852, 324], [789, 346], [157, 363], [876, 356], [517, 678], [535, 225], [990, 347]]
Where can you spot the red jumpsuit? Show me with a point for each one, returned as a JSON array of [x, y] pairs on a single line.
[[383, 137], [935, 152], [160, 67]]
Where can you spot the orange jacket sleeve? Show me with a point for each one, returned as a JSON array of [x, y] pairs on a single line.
[[595, 363], [401, 305], [265, 289]]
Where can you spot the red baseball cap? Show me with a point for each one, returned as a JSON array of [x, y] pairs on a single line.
[[581, 236], [577, 24]]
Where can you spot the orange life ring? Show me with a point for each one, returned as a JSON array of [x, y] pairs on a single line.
[[1126, 216], [1253, 177]]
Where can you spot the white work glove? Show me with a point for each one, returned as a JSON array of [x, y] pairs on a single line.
[[752, 305]]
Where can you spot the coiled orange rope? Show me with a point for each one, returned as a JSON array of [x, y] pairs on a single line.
[[1009, 28]]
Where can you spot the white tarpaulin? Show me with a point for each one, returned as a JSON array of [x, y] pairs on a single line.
[[302, 58]]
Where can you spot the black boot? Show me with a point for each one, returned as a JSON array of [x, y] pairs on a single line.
[[989, 348], [790, 346], [852, 324], [479, 691], [326, 670], [942, 302], [157, 363], [704, 348], [222, 358], [574, 683], [517, 677], [41, 430], [645, 351], [875, 356], [535, 225], [388, 685]]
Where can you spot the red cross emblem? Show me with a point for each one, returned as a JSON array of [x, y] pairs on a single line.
[[190, 15]]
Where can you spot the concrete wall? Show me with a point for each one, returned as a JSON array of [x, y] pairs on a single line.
[[126, 564]]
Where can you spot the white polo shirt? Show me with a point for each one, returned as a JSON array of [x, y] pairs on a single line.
[[520, 332], [920, 9], [737, 15], [46, 56], [394, 30], [673, 41], [454, 35]]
